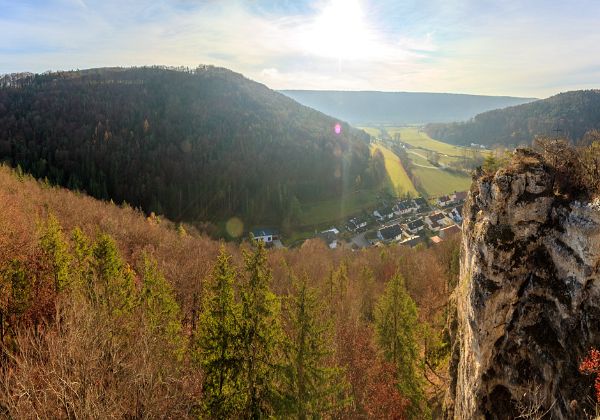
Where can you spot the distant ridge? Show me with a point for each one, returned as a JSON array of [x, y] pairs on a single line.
[[569, 114], [372, 107]]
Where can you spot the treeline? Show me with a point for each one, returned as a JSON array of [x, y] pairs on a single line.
[[570, 115], [202, 144]]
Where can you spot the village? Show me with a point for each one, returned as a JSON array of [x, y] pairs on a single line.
[[407, 222]]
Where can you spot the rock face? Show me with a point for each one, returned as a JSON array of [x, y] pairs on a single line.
[[528, 300]]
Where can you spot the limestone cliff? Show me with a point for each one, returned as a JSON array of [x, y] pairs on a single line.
[[528, 300]]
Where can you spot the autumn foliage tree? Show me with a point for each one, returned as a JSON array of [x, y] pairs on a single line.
[[591, 366]]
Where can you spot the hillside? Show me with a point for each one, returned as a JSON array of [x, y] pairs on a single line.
[[397, 108], [102, 313], [572, 113], [195, 145]]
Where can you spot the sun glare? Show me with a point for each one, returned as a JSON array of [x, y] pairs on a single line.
[[340, 31]]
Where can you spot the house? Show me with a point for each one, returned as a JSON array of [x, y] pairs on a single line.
[[436, 239], [330, 237], [385, 213], [456, 214], [437, 221], [449, 231], [265, 235], [443, 201], [415, 226], [413, 241], [405, 207], [390, 233], [459, 197], [357, 223], [421, 203]]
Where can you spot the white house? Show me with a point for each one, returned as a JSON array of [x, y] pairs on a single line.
[[385, 213], [405, 207], [415, 226], [444, 201], [265, 235], [390, 233], [437, 221]]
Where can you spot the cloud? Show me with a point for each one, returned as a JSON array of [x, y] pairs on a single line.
[[522, 48]]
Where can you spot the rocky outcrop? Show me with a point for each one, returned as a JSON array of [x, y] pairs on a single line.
[[528, 300]]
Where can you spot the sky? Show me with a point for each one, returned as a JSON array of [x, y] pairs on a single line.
[[533, 48]]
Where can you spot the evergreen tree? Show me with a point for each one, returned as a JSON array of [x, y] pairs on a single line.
[[56, 249], [261, 336], [396, 324], [312, 387], [161, 311], [81, 267], [218, 344], [114, 286]]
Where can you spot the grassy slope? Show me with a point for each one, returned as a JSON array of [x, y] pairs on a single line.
[[435, 181], [416, 138], [334, 210], [398, 176], [438, 182]]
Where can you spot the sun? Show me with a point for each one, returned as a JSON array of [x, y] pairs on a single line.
[[339, 31]]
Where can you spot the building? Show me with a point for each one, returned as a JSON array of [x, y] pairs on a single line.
[[385, 213], [265, 235], [357, 223], [459, 197], [437, 221], [421, 203], [413, 241], [415, 226], [456, 214], [390, 233], [449, 231], [436, 239], [443, 201], [405, 207], [330, 238]]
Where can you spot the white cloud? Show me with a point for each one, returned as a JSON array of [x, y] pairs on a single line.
[[455, 46]]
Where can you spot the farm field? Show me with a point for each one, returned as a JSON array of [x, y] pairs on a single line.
[[372, 131], [401, 183], [418, 139], [432, 181], [437, 182]]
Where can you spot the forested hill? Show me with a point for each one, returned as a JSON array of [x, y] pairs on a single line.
[[201, 144], [569, 114], [400, 107]]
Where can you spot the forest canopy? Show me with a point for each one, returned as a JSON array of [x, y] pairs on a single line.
[[201, 144]]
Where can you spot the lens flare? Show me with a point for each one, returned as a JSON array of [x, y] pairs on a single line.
[[234, 227], [337, 129]]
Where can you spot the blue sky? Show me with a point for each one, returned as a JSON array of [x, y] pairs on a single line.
[[525, 48]]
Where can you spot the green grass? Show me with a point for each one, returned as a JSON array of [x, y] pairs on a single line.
[[419, 139], [438, 182], [335, 210], [401, 183], [434, 181], [371, 131]]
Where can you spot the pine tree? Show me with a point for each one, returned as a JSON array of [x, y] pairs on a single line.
[[312, 387], [261, 336], [396, 324], [56, 249], [114, 287], [218, 344], [160, 310], [81, 267]]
